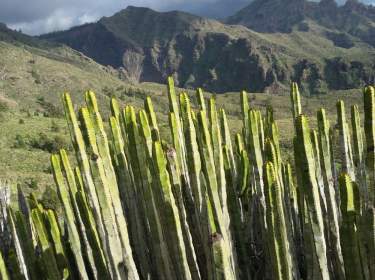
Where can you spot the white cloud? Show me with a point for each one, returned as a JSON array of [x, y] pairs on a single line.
[[42, 16], [58, 20], [50, 15]]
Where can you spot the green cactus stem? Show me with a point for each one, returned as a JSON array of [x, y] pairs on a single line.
[[311, 195], [349, 232], [3, 270]]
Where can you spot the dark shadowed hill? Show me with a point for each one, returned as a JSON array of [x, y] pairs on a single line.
[[354, 17], [288, 43]]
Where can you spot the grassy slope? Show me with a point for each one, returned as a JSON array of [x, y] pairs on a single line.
[[60, 69], [64, 70], [29, 74]]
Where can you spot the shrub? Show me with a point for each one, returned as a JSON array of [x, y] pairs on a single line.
[[20, 142], [4, 107], [55, 127], [49, 109], [36, 77], [32, 183], [50, 199], [45, 143]]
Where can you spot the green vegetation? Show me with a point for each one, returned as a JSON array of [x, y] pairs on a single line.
[[198, 205]]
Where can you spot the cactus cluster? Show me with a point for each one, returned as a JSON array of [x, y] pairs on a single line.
[[202, 206]]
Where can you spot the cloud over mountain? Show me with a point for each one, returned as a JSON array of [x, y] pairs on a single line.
[[50, 15], [41, 16]]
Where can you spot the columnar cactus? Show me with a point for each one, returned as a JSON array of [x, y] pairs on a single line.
[[345, 143], [66, 199], [276, 226], [311, 196], [137, 207], [349, 231], [330, 193], [3, 269], [369, 104]]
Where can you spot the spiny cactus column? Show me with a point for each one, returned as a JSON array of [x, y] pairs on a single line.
[[152, 119], [217, 152], [47, 254], [294, 227], [71, 222], [212, 188], [103, 188], [245, 116], [171, 220], [369, 107], [276, 228], [83, 163], [198, 216], [345, 143], [17, 245], [349, 232], [311, 195], [176, 186], [358, 158], [330, 193], [296, 101], [128, 197], [3, 269], [103, 149], [174, 108], [227, 141], [140, 159], [24, 233]]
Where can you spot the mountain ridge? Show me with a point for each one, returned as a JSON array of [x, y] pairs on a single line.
[[146, 45], [282, 15]]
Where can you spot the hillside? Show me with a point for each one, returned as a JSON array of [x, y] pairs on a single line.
[[32, 69], [33, 75], [148, 46]]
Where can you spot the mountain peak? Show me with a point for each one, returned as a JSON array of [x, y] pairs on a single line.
[[272, 15], [136, 10]]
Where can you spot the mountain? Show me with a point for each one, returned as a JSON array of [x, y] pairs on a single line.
[[218, 9], [262, 48], [354, 17], [197, 51]]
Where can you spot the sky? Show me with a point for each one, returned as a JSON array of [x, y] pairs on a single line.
[[44, 16]]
